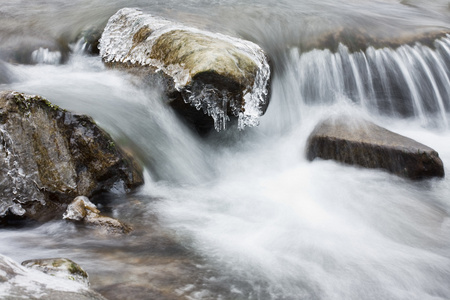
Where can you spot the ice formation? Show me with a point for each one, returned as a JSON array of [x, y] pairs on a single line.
[[45, 56], [118, 45]]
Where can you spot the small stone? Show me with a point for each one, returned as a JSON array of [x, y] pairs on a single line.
[[111, 225], [81, 209]]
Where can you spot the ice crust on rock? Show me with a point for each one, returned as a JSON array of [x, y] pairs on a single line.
[[59, 267], [21, 190], [20, 282], [118, 45]]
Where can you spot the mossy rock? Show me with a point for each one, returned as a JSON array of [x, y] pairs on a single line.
[[50, 279], [49, 156], [59, 267], [221, 76]]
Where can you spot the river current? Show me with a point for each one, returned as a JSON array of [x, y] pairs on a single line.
[[243, 214]]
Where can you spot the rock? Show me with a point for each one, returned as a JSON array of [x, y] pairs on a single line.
[[221, 75], [49, 156], [18, 282], [368, 145], [59, 267], [360, 38], [81, 209]]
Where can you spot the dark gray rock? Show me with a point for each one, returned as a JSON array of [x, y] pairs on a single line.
[[89, 39], [220, 75], [18, 282], [49, 156], [359, 142]]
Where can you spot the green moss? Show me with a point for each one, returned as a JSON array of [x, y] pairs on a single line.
[[51, 105], [57, 263], [26, 102], [111, 145], [77, 270]]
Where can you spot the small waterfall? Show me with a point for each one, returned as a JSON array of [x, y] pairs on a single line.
[[410, 81], [46, 56]]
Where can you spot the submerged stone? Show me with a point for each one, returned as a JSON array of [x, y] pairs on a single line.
[[359, 142], [49, 156], [220, 75], [19, 282]]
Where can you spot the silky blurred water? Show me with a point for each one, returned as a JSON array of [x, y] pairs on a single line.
[[243, 214]]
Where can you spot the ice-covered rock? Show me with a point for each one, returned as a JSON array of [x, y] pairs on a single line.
[[59, 267], [221, 75], [49, 156], [19, 282]]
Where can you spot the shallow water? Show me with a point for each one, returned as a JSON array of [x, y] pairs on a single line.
[[243, 214]]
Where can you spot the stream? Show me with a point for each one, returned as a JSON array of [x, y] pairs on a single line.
[[242, 214]]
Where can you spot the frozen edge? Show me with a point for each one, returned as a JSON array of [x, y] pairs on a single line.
[[33, 282], [116, 45]]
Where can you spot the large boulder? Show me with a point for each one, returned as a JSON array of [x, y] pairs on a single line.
[[18, 282], [221, 75], [359, 142], [49, 156]]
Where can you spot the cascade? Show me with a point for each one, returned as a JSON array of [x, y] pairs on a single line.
[[242, 214]]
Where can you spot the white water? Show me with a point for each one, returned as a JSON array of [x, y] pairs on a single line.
[[257, 219]]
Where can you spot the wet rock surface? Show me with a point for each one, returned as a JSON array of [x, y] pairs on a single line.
[[359, 142], [83, 210], [220, 75], [359, 39], [18, 282], [49, 156]]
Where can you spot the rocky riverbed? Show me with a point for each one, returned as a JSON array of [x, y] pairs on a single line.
[[146, 146]]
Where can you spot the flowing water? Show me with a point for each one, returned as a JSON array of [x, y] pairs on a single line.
[[243, 214]]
